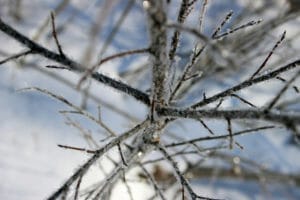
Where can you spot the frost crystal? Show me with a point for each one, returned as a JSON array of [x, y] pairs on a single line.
[[146, 5]]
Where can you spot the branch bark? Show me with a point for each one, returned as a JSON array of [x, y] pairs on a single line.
[[156, 15], [73, 66]]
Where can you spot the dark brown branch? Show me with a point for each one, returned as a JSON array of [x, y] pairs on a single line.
[[229, 128], [112, 34], [77, 188], [190, 30], [243, 100], [269, 55], [122, 155], [76, 148], [283, 117], [281, 92], [218, 137], [74, 66], [294, 86], [16, 56], [54, 33], [272, 176], [184, 182], [83, 169], [247, 83], [122, 54], [183, 13], [205, 126], [186, 70], [153, 181], [225, 20]]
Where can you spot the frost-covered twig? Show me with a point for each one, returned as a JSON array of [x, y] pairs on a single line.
[[250, 114], [218, 137], [185, 183], [54, 33], [74, 66], [153, 181], [282, 91], [78, 109], [247, 83], [156, 17], [100, 152], [269, 55], [184, 10]]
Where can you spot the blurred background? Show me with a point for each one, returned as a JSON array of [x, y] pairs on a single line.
[[32, 124]]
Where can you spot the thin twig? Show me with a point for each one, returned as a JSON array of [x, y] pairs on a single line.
[[76, 148], [190, 30], [153, 181], [62, 99], [73, 86], [127, 186], [269, 55], [273, 116], [294, 86], [202, 14], [253, 130], [282, 91], [104, 60], [77, 188], [205, 126], [218, 29], [230, 31], [179, 153], [230, 133], [194, 58], [182, 15], [83, 169], [55, 35], [112, 34], [16, 56], [74, 66], [243, 100], [123, 54], [247, 83], [184, 182], [122, 155], [57, 67]]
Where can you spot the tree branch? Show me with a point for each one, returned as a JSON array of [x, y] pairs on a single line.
[[247, 83], [74, 66], [158, 49], [282, 117], [83, 169]]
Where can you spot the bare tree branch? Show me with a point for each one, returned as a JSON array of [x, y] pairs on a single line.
[[36, 48]]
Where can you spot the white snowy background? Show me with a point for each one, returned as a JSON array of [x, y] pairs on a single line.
[[32, 165]]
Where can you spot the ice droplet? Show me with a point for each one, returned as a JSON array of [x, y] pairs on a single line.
[[236, 160], [146, 4], [140, 154]]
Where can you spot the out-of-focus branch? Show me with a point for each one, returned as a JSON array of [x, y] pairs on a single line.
[[246, 175]]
